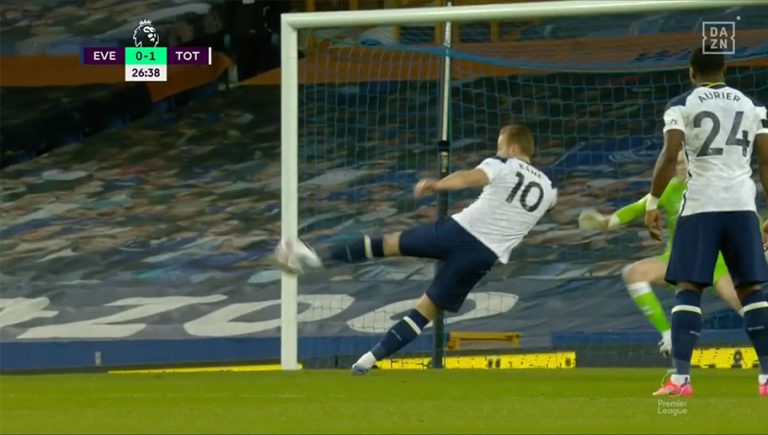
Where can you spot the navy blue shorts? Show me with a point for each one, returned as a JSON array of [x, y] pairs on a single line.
[[699, 237], [466, 259]]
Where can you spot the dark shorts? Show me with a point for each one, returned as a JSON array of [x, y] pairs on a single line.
[[465, 259], [699, 237]]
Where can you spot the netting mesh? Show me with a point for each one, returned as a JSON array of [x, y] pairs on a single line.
[[369, 126]]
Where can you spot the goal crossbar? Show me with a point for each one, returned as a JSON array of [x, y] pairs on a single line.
[[293, 22], [497, 12]]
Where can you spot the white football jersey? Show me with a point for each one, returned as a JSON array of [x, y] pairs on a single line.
[[720, 124], [515, 198]]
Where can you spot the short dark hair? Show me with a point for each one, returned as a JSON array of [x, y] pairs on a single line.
[[519, 134], [703, 63]]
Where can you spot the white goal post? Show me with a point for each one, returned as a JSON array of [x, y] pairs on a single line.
[[292, 23]]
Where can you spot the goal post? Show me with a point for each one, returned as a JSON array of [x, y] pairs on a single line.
[[444, 166], [289, 188], [293, 23]]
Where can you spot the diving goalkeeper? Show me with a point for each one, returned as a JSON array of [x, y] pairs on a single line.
[[639, 275]]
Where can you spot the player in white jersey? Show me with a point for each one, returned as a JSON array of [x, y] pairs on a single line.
[[717, 127], [515, 196]]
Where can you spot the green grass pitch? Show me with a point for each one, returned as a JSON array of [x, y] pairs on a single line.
[[333, 401]]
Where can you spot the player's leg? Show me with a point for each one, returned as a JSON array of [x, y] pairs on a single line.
[[691, 266], [724, 285], [638, 278], [467, 261], [447, 292], [420, 241], [399, 335], [365, 247], [743, 252], [755, 314]]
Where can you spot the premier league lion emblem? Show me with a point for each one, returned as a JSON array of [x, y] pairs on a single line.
[[145, 35]]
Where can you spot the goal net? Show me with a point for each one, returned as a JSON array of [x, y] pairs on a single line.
[[592, 89]]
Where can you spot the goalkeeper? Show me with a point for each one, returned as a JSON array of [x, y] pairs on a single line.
[[639, 275]]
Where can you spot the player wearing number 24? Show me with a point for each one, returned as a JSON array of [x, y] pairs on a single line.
[[515, 196], [716, 126]]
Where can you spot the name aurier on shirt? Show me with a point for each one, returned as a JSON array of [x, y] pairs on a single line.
[[716, 95]]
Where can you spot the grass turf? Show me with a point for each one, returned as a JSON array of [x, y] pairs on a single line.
[[332, 401]]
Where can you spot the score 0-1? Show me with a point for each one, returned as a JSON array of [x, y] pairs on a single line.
[[148, 53], [145, 56]]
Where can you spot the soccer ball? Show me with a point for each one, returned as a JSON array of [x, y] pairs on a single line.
[[295, 256]]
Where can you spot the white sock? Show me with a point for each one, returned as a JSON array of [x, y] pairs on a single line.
[[639, 288], [763, 379], [680, 379], [367, 361]]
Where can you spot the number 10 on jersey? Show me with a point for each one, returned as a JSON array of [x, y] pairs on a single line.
[[530, 204], [148, 64]]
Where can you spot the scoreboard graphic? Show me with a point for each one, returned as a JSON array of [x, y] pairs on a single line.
[[146, 62]]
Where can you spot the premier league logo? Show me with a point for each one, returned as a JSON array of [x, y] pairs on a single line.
[[145, 35]]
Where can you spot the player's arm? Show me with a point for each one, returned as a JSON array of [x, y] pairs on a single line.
[[761, 147], [483, 174], [459, 180], [591, 219], [674, 135], [665, 166], [662, 174]]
